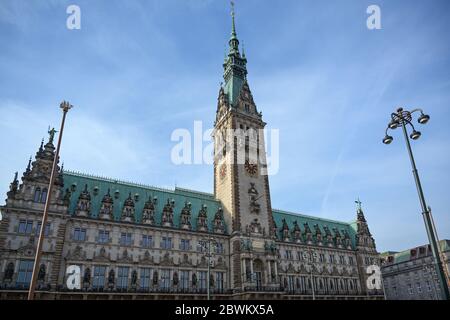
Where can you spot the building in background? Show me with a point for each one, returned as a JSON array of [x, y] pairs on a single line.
[[411, 274], [137, 241]]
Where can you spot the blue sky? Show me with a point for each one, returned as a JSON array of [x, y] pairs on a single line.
[[137, 70]]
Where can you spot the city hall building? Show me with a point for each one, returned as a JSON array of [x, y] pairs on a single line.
[[134, 241]]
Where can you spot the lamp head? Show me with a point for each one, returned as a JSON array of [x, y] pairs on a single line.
[[387, 139], [423, 118], [393, 124], [415, 135]]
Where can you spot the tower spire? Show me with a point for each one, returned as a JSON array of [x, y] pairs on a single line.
[[234, 42], [233, 26], [235, 70]]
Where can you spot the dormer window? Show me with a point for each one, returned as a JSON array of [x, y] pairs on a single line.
[[247, 108]]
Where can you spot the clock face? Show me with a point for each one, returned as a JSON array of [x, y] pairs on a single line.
[[251, 168], [223, 171]]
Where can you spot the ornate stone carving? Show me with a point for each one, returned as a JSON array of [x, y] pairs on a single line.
[[218, 223], [128, 209], [83, 208], [202, 219], [308, 233], [253, 193], [78, 254], [285, 231], [102, 256], [318, 235], [185, 216], [148, 213], [296, 233], [106, 209], [167, 216]]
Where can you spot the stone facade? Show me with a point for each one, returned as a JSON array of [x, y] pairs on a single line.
[[140, 242], [411, 274]]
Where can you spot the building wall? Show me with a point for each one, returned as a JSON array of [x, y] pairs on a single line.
[[411, 275]]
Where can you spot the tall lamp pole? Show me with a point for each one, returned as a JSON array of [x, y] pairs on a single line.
[[206, 245], [401, 118], [311, 256], [65, 106]]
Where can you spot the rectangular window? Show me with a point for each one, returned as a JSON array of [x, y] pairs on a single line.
[[184, 279], [147, 241], [219, 280], [25, 272], [122, 277], [46, 231], [410, 289], [428, 286], [103, 236], [202, 279], [99, 277], [165, 278], [288, 254], [219, 248], [145, 278], [25, 226], [350, 261], [341, 259], [419, 287], [166, 243], [185, 244], [321, 257], [79, 234], [332, 259], [202, 246], [126, 239]]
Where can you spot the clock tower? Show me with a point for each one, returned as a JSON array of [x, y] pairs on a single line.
[[240, 172]]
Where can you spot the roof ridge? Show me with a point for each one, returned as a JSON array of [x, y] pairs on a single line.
[[309, 216], [131, 184], [194, 191]]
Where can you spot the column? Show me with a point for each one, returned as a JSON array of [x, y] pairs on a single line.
[[269, 278], [245, 270]]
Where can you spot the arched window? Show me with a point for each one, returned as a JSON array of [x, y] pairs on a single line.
[[37, 194], [43, 195]]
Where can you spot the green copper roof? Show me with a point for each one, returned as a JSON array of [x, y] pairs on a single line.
[[120, 190], [301, 219], [101, 185], [405, 255]]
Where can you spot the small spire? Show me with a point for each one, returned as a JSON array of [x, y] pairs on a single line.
[[243, 50], [15, 176], [358, 204], [233, 26], [29, 165], [62, 167], [41, 148]]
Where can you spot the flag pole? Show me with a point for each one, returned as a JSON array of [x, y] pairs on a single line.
[[65, 106]]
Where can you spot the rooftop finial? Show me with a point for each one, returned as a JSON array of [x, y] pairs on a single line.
[[29, 164], [358, 204], [233, 28]]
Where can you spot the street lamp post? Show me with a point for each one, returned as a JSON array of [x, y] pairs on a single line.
[[310, 255], [65, 106], [403, 118], [206, 245]]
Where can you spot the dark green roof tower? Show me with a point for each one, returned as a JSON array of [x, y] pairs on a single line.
[[235, 71]]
